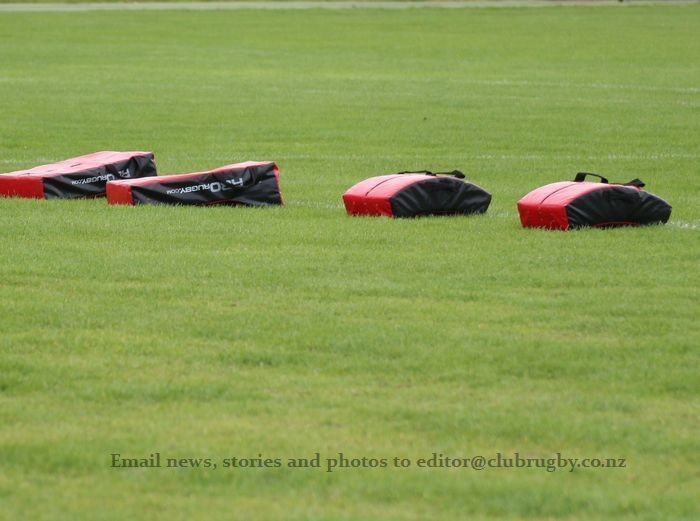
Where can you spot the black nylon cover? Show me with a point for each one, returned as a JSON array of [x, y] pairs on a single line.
[[251, 186], [440, 196], [617, 205], [92, 182]]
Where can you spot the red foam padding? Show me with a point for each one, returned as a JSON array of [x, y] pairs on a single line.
[[119, 193], [373, 196], [545, 207], [77, 164], [20, 185]]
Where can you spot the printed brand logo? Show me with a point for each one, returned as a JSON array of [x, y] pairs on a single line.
[[124, 173], [213, 187], [95, 179]]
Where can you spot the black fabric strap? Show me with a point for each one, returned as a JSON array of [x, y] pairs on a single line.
[[635, 182], [581, 176], [455, 173]]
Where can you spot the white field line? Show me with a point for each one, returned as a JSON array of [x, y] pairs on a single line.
[[503, 214], [558, 85], [523, 83], [313, 204], [590, 102], [607, 157], [685, 225], [295, 5], [594, 85], [464, 157], [39, 160], [484, 157], [566, 85]]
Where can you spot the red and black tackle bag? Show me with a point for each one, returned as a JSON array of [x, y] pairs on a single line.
[[83, 176], [252, 183], [578, 203], [412, 194]]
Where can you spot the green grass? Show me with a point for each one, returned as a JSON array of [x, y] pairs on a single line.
[[221, 332]]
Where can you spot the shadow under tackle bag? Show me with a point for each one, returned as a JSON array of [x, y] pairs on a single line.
[[577, 203], [412, 194]]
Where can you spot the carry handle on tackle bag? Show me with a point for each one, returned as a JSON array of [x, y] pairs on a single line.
[[581, 176], [455, 173]]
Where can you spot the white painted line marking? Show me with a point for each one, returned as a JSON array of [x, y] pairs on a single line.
[[332, 5]]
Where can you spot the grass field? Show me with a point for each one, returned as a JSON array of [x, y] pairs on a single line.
[[222, 332]]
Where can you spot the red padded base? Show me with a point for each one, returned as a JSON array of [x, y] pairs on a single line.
[[20, 185], [545, 207], [119, 193], [373, 196]]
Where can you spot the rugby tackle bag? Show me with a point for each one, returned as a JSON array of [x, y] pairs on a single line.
[[83, 176], [578, 203], [251, 184], [412, 194]]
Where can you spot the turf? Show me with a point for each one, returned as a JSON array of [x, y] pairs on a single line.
[[222, 332]]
